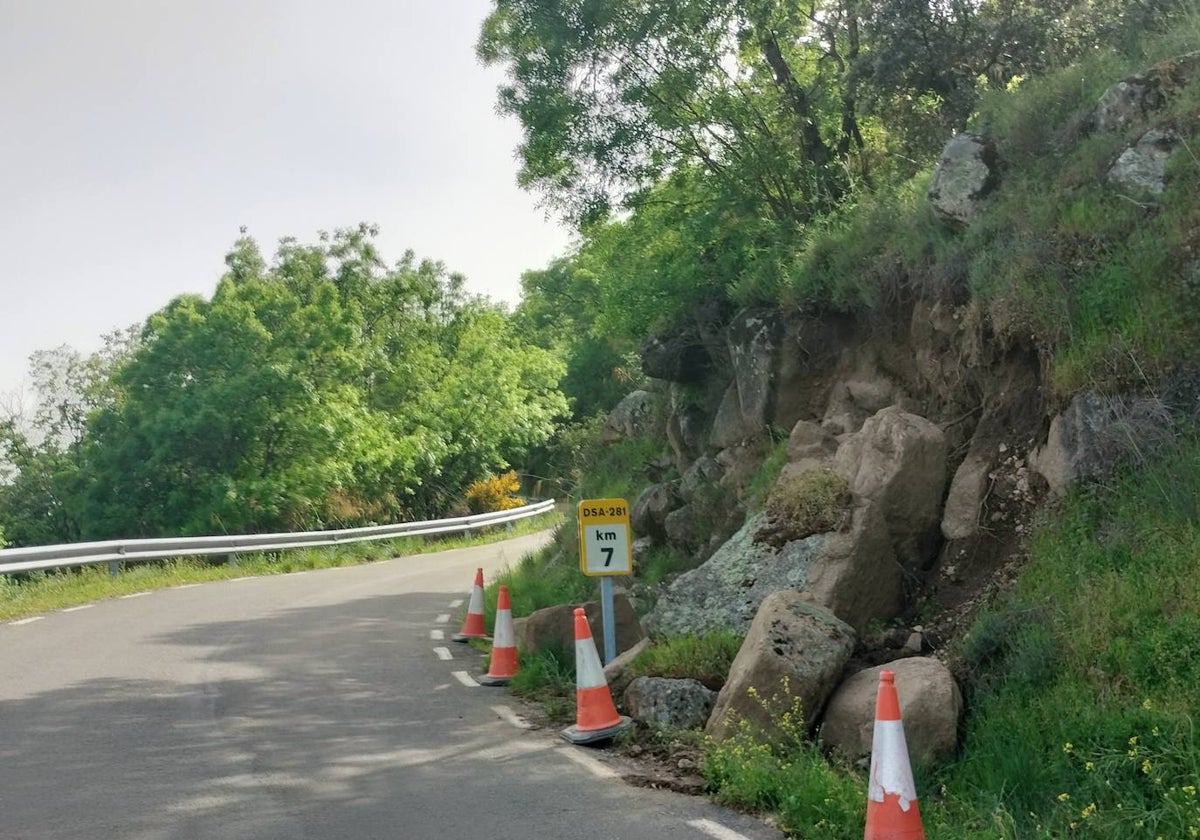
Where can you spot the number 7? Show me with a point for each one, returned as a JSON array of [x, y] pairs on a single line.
[[608, 555]]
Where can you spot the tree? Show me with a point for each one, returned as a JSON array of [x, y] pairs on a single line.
[[325, 388], [614, 95]]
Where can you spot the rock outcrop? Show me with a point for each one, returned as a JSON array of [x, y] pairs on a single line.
[[669, 703], [967, 172], [930, 703], [794, 651]]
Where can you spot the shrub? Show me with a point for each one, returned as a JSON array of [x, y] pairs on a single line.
[[798, 506], [493, 493], [706, 658]]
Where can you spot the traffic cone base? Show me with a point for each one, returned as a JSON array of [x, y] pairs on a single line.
[[472, 627], [596, 716], [892, 812], [503, 666], [590, 736]]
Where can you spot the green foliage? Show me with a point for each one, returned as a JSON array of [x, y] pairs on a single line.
[[324, 389], [543, 579], [1102, 623], [658, 562], [760, 483], [706, 658], [547, 676], [784, 773]]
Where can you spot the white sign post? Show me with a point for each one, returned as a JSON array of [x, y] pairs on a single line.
[[605, 551]]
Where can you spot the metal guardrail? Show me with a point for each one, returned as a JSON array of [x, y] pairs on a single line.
[[32, 558]]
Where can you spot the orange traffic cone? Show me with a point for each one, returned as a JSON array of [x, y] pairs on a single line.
[[596, 717], [504, 647], [891, 794], [472, 627]]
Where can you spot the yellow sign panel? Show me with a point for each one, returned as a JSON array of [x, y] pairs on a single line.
[[605, 542]]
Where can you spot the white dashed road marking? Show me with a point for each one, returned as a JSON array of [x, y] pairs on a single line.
[[26, 621], [465, 678], [715, 829], [596, 768], [443, 618], [507, 714], [133, 595], [443, 653], [77, 609], [455, 604], [437, 635]]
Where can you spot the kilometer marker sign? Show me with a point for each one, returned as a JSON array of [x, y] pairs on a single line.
[[605, 544]]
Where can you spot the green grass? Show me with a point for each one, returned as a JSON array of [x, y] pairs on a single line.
[[705, 658], [37, 592]]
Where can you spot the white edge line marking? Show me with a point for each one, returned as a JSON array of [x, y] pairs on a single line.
[[444, 618], [465, 678], [443, 653], [186, 586], [508, 715], [437, 635], [132, 595], [596, 768], [29, 620], [715, 829], [77, 609], [456, 603]]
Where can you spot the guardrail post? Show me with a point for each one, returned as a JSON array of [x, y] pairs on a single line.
[[114, 568]]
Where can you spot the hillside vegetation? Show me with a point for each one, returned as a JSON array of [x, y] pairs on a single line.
[[719, 155], [1078, 680]]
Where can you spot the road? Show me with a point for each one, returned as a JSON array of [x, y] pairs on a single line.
[[311, 706]]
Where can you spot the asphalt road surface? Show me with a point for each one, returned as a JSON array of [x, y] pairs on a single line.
[[311, 706]]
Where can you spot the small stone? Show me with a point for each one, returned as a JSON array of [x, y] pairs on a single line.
[[915, 642], [1003, 448], [686, 764]]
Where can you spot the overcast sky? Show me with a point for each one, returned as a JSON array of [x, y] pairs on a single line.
[[137, 136]]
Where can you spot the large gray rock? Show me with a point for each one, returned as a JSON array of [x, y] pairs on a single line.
[[618, 674], [1131, 100], [668, 703], [794, 650], [729, 426], [1140, 171], [704, 473], [966, 174], [965, 499], [553, 628], [857, 576], [676, 357], [648, 516], [754, 341], [725, 592], [811, 349], [809, 441], [852, 572], [1096, 434], [930, 705], [898, 461], [688, 424], [631, 418]]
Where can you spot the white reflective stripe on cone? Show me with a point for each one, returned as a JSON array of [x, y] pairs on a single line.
[[476, 605], [589, 673], [890, 770], [503, 636]]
